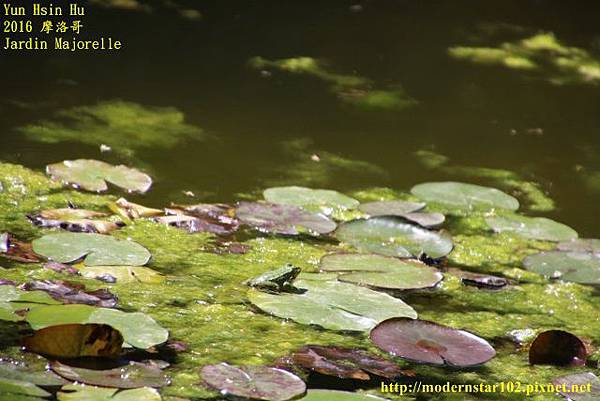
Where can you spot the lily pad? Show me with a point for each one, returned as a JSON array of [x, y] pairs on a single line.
[[97, 249], [479, 280], [390, 208], [17, 388], [77, 225], [324, 199], [13, 300], [75, 340], [590, 245], [538, 228], [557, 347], [130, 210], [465, 196], [335, 395], [138, 329], [93, 175], [344, 363], [253, 382], [331, 304], [123, 274], [69, 213], [381, 271], [75, 392], [13, 249], [70, 293], [427, 342], [132, 375], [282, 219], [391, 236], [582, 381], [30, 368], [578, 267]]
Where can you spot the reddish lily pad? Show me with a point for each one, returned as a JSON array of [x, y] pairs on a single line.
[[557, 347], [381, 271], [283, 219], [427, 342], [93, 175], [579, 386], [71, 293], [253, 382], [345, 363], [13, 249], [132, 375]]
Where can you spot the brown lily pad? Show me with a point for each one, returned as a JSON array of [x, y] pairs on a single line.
[[132, 375], [345, 363], [13, 249], [253, 382], [480, 280], [428, 342], [557, 347], [132, 211], [75, 340]]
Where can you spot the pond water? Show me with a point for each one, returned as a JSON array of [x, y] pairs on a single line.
[[368, 98], [475, 114]]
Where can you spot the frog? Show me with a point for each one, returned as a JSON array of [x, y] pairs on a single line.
[[276, 281]]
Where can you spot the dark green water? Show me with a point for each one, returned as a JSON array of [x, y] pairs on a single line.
[[466, 111]]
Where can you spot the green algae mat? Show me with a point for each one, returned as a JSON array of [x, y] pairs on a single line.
[[305, 294]]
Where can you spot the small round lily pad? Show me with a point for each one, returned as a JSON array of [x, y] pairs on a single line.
[[427, 342], [96, 249], [253, 382], [391, 236], [308, 197], [538, 228], [465, 196], [283, 219], [381, 271], [93, 175], [578, 267]]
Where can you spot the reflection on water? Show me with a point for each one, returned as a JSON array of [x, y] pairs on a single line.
[[196, 116]]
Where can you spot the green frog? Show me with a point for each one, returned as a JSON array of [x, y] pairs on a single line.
[[278, 280]]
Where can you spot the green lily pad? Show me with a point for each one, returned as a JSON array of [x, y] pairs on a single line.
[[426, 219], [20, 388], [123, 274], [381, 271], [539, 228], [335, 395], [464, 196], [30, 368], [133, 375], [283, 219], [323, 199], [331, 304], [138, 329], [591, 245], [253, 382], [97, 249], [390, 208], [391, 236], [76, 392], [578, 267], [93, 175], [13, 299]]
